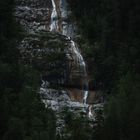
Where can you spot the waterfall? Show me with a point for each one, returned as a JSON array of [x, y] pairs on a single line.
[[78, 57], [73, 51], [54, 18], [85, 96], [61, 24], [67, 28], [90, 115]]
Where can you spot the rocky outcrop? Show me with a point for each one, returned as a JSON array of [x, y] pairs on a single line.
[[60, 102], [53, 53], [33, 15], [54, 56], [49, 48], [36, 15]]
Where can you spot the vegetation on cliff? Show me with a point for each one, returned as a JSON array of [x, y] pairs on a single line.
[[22, 115]]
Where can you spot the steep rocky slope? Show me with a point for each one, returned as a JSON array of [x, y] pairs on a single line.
[[49, 48]]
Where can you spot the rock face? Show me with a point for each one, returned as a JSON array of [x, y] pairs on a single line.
[[60, 102], [52, 50], [60, 21], [49, 15], [45, 52], [48, 45], [56, 57], [49, 48], [33, 15]]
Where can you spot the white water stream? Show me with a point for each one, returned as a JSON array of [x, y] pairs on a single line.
[[67, 31], [54, 18]]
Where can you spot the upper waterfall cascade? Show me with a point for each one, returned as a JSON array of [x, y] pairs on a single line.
[[59, 16], [54, 18]]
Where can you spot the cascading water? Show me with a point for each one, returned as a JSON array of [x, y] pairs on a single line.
[[54, 18], [82, 67], [85, 96], [90, 115], [73, 50], [68, 29], [78, 57], [59, 16]]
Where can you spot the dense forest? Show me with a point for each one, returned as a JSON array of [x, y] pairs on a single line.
[[110, 41], [111, 29]]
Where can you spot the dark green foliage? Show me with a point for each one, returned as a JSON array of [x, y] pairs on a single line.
[[77, 127], [15, 130], [98, 126], [111, 27], [112, 52], [122, 110]]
